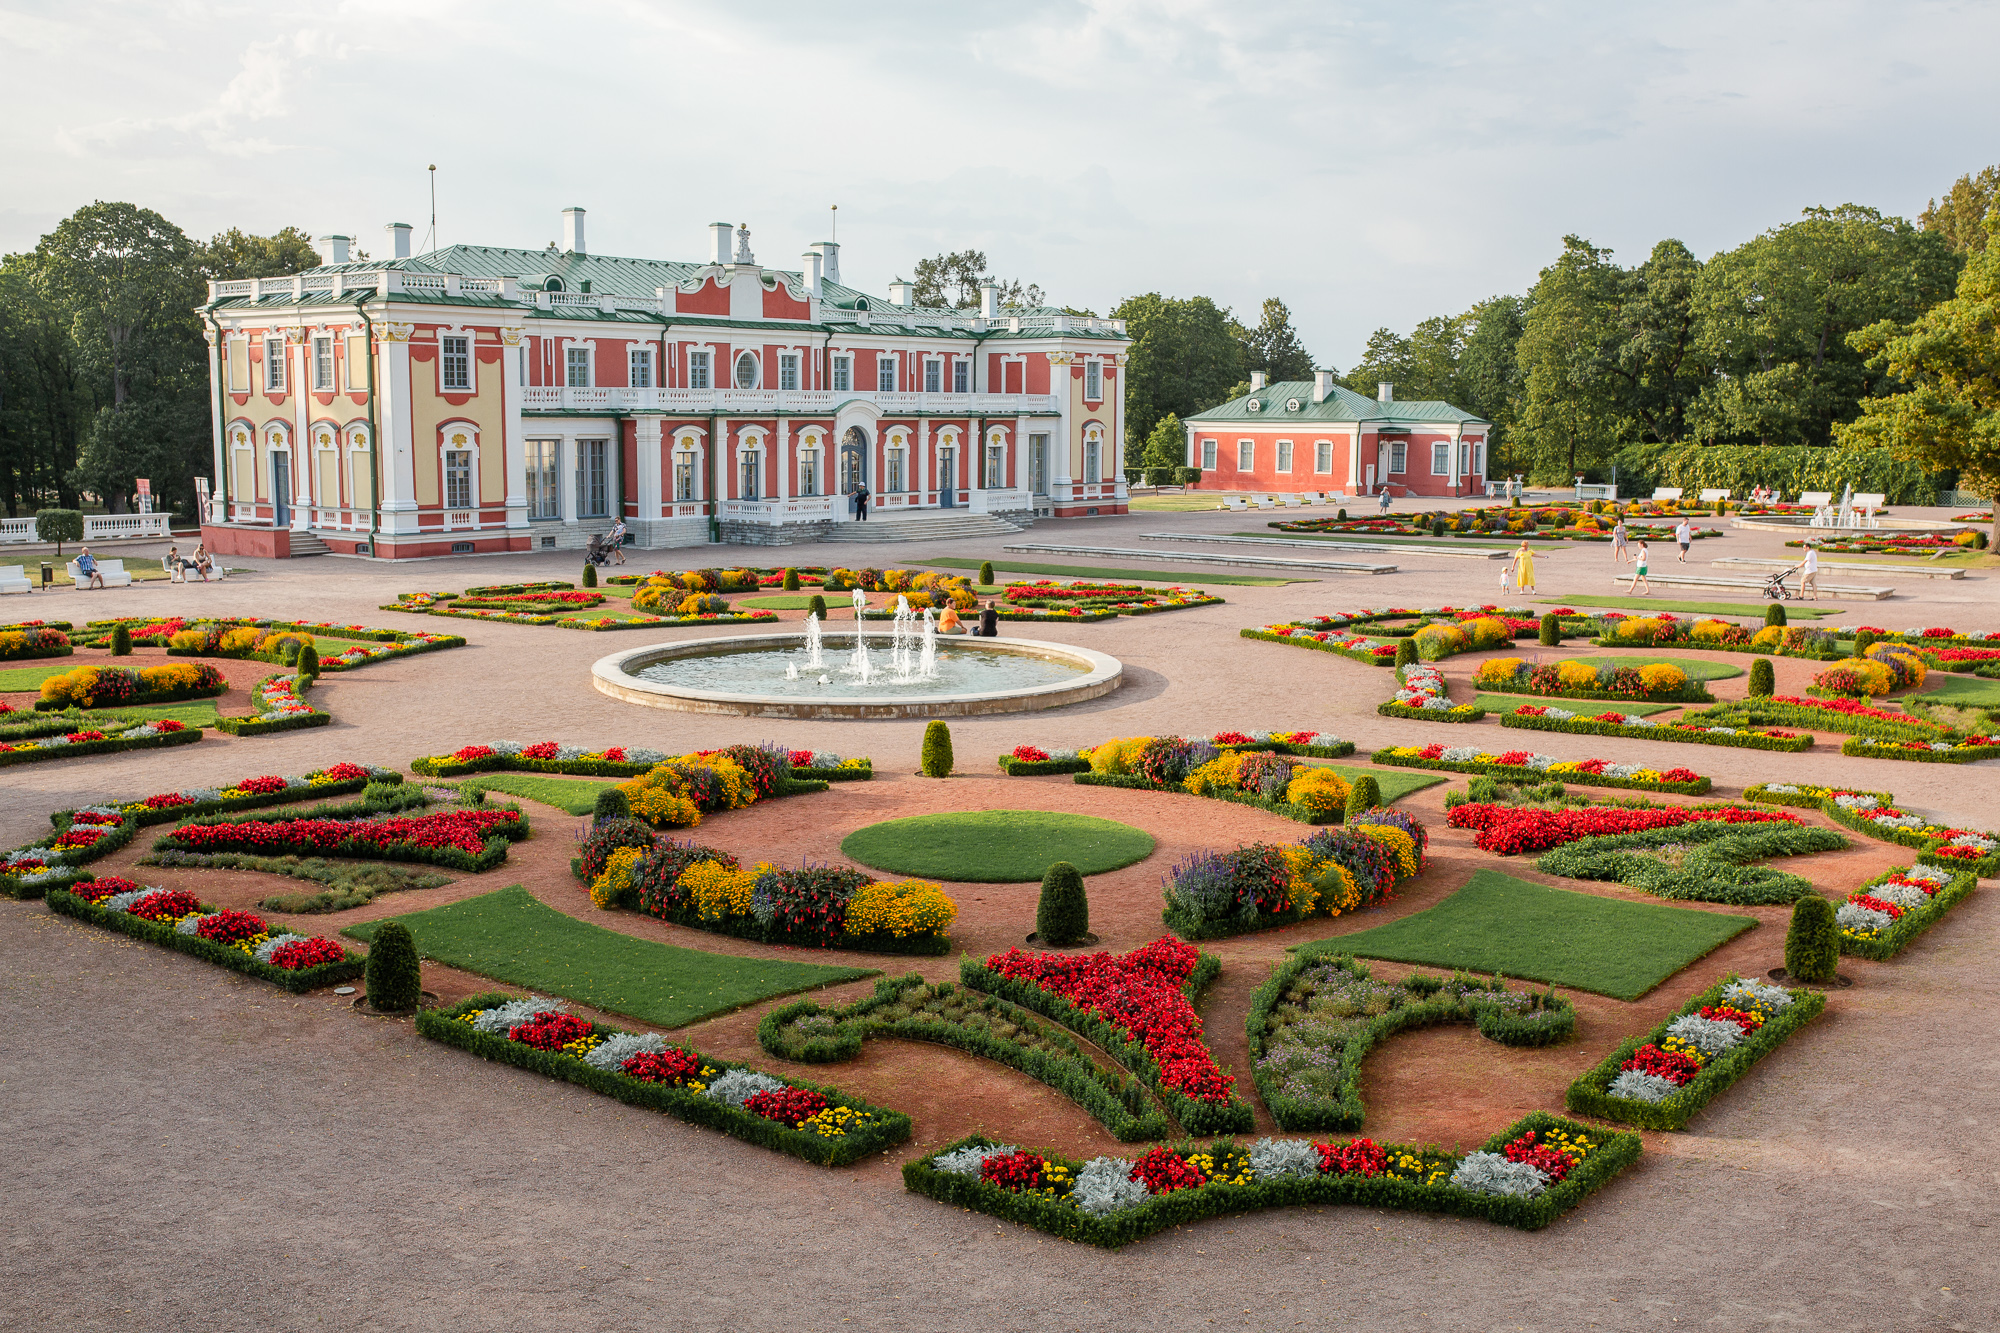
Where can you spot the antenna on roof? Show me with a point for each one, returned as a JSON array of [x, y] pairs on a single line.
[[836, 223], [430, 241]]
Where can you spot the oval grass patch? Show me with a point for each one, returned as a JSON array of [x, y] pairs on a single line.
[[996, 846]]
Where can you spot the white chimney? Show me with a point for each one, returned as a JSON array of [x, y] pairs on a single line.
[[1256, 380], [830, 253], [573, 230], [989, 300], [399, 240], [332, 249], [1322, 385], [903, 293], [719, 242], [811, 263], [1385, 392]]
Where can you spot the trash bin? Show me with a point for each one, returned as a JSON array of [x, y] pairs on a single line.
[[48, 574]]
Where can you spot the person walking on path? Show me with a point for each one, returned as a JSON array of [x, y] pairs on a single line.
[[1620, 550], [86, 567], [861, 502], [617, 539], [1809, 572], [1683, 534], [1524, 568], [1639, 572], [1385, 499]]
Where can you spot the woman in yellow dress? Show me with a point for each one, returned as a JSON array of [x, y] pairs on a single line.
[[1524, 568]]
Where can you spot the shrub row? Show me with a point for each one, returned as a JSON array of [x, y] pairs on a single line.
[[1912, 923], [1285, 809], [109, 745], [1716, 869], [1584, 726], [298, 981], [1307, 641], [1456, 713], [1522, 773], [1867, 747], [259, 726], [1021, 768]]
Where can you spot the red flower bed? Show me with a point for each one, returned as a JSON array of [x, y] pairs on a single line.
[[1363, 1157], [79, 737], [264, 786], [1164, 1173], [296, 955], [1018, 1170], [166, 800], [95, 817], [672, 1065], [230, 925], [97, 890], [1030, 754], [804, 758], [550, 1031], [1872, 903], [1963, 654], [1846, 708], [1749, 1022], [343, 772], [1511, 829], [88, 836], [1231, 738], [165, 905], [470, 752], [540, 750], [1139, 994], [789, 1106], [1674, 1066], [1552, 1163], [462, 829]]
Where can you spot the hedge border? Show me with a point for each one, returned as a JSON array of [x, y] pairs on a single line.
[[864, 772], [444, 766], [1074, 1075], [1925, 846], [299, 981], [1022, 768], [1700, 695], [1857, 747], [1654, 646], [1307, 641], [1283, 809], [1587, 1095], [142, 700], [255, 726], [442, 1025], [110, 745], [1912, 923], [1234, 1116], [1584, 726], [492, 853], [1520, 773], [1456, 713], [1616, 1151], [1742, 847], [1811, 719]]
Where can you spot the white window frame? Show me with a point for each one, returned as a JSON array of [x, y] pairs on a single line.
[[274, 366], [1093, 380], [885, 372], [1246, 455], [322, 362], [809, 473], [1093, 456], [1284, 455], [701, 369], [684, 475], [1208, 455], [1478, 459], [996, 460], [933, 375], [788, 371], [736, 370], [1399, 456], [576, 366], [448, 360], [639, 367], [594, 450], [1441, 458], [893, 476], [459, 491], [843, 374], [1323, 457], [961, 375], [544, 478]]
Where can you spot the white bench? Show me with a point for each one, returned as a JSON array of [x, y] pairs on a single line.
[[1587, 491], [1664, 493], [1872, 500], [1710, 496], [1235, 502], [14, 578], [1815, 498], [1276, 501], [112, 571]]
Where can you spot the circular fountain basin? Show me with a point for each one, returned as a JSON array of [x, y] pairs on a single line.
[[745, 675]]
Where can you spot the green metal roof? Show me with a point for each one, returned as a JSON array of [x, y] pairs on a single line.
[[1273, 407]]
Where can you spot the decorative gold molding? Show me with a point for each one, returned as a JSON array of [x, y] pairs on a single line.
[[1061, 358], [511, 337], [390, 332]]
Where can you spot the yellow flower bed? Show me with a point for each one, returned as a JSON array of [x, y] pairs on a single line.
[[1499, 670], [1662, 677], [617, 876], [1319, 790], [718, 892], [1576, 675], [900, 907]]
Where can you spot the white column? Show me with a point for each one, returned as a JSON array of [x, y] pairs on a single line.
[[301, 359], [514, 459], [786, 469], [1017, 453], [1354, 464], [397, 445], [927, 477], [218, 356], [647, 431]]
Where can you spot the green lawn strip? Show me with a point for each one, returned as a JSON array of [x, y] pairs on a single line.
[[1961, 691], [1696, 668], [1387, 540], [1119, 575], [1653, 605], [1507, 703], [1172, 504], [996, 846], [510, 936], [31, 677], [784, 601], [1394, 785], [1497, 923], [576, 796], [191, 712]]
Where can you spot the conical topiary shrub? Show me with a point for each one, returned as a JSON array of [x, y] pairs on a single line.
[[611, 804], [1774, 614], [1763, 678], [1406, 652], [937, 751], [308, 661], [1437, 526], [1812, 943], [1363, 796], [393, 976], [590, 576], [1062, 917], [817, 609], [1864, 639], [121, 641], [986, 574], [1552, 633], [791, 579]]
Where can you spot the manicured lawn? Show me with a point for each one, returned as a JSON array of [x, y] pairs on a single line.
[[996, 846], [1497, 923], [1507, 703], [191, 712], [1652, 605], [1096, 573], [1697, 668], [510, 936], [1541, 549], [576, 796], [783, 601], [1394, 783], [1175, 504], [1961, 691], [30, 677]]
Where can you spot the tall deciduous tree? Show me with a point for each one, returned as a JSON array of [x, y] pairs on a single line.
[[1949, 356], [1166, 446], [1961, 216], [1274, 347], [954, 280], [1184, 359], [236, 254], [45, 405], [1571, 420], [1489, 372]]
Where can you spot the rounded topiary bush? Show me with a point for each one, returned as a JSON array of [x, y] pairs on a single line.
[[1763, 678], [817, 609], [791, 579], [1341, 516], [1864, 639], [1812, 942], [1062, 916], [1552, 633], [393, 976], [986, 574], [1363, 796], [590, 576], [611, 804], [937, 751], [1406, 652], [121, 641], [1437, 526], [309, 662], [1774, 614]]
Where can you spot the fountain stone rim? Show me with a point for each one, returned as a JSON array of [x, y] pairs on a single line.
[[613, 675]]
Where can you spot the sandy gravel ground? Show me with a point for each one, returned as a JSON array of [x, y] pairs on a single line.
[[190, 1149]]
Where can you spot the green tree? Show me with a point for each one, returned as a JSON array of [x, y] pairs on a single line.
[[1387, 359], [45, 402], [954, 280], [1167, 445], [1570, 419], [236, 254], [1489, 372], [1062, 914], [1655, 364], [1184, 359], [1961, 217], [1274, 347], [1949, 356]]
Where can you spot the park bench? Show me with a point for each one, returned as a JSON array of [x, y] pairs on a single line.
[[113, 572]]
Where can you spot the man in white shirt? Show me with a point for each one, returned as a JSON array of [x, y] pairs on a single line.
[[1683, 534], [1809, 572]]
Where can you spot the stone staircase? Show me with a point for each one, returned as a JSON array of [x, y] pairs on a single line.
[[927, 526], [304, 543]]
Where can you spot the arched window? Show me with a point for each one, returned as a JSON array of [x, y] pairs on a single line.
[[746, 371]]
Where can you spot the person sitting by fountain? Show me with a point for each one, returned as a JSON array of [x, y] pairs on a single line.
[[989, 622], [948, 622]]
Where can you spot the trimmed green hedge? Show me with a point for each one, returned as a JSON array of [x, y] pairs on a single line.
[[1693, 692], [1763, 712], [863, 772], [1286, 809], [1195, 1117], [1456, 713], [255, 726], [1924, 845], [443, 1025], [1913, 922], [1589, 1095], [1306, 641], [1717, 869], [1581, 726], [1615, 1152], [110, 745], [1521, 773], [1114, 1100], [493, 853], [1021, 768], [1858, 747], [444, 766], [144, 698], [222, 955]]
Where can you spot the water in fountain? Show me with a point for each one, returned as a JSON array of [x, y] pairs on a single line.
[[902, 630], [814, 661], [927, 668]]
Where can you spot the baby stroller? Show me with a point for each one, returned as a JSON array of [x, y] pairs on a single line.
[[598, 552], [1775, 589]]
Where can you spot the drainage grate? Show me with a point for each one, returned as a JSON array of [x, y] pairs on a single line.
[[461, 548], [548, 543]]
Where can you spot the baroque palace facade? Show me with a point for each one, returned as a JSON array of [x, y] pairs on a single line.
[[478, 399]]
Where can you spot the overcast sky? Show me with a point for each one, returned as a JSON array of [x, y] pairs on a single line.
[[1372, 165]]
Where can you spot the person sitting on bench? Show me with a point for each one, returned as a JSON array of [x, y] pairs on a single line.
[[86, 565]]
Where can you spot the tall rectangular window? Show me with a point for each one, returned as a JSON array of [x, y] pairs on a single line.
[[542, 497], [1092, 460], [1246, 455], [274, 364], [1478, 460], [458, 479], [933, 377], [593, 491], [1399, 455], [788, 370], [748, 463], [1440, 459], [961, 377], [699, 376], [1284, 455], [885, 373], [323, 364], [996, 466], [684, 476], [1093, 380], [576, 367], [1323, 456], [843, 374], [641, 362], [894, 481], [1208, 455], [808, 472], [455, 363]]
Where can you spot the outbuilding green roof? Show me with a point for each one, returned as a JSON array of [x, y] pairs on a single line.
[[1292, 400]]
